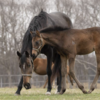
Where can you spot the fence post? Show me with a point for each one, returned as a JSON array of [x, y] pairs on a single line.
[[1, 82]]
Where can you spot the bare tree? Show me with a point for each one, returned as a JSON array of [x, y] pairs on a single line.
[[12, 30], [84, 14], [36, 6]]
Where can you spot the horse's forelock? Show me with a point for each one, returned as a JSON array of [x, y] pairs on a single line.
[[23, 58]]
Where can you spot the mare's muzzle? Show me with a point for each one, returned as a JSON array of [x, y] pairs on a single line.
[[27, 85]]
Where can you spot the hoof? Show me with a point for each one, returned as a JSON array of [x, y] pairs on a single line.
[[44, 87], [16, 94], [88, 92], [62, 91], [85, 92], [48, 93]]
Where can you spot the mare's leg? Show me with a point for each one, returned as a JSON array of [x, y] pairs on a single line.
[[49, 71], [57, 69], [58, 80], [97, 74], [71, 72], [63, 74], [19, 86], [45, 83]]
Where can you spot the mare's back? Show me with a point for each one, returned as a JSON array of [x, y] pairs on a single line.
[[60, 20]]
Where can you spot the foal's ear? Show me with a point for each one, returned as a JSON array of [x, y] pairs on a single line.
[[38, 33], [19, 54], [31, 34], [27, 54]]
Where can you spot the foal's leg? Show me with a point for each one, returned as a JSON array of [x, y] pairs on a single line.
[[70, 78], [19, 86], [63, 74], [45, 83], [97, 74], [71, 72], [58, 65]]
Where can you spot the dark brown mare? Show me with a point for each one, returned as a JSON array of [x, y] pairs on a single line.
[[39, 66], [39, 22], [68, 44]]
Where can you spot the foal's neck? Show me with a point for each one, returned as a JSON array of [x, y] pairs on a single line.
[[57, 40], [52, 39]]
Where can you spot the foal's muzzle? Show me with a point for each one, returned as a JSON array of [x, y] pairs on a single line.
[[27, 85]]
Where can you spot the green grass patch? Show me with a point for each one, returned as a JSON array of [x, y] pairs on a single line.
[[39, 94]]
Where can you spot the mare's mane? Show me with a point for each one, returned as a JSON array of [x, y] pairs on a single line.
[[37, 23]]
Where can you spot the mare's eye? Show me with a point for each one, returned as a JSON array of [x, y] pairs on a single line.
[[29, 65], [20, 65]]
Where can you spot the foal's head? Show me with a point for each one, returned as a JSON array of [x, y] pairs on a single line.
[[26, 66], [37, 44]]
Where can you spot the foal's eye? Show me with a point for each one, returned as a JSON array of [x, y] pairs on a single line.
[[37, 43], [31, 32]]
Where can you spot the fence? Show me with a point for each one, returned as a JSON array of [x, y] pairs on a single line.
[[36, 80], [85, 72], [39, 81]]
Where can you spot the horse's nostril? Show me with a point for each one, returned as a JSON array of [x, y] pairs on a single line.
[[26, 86]]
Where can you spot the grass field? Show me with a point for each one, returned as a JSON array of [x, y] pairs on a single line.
[[39, 94]]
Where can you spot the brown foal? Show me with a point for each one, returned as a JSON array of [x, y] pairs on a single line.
[[69, 43]]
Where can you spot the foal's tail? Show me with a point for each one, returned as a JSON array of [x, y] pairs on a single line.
[[56, 68]]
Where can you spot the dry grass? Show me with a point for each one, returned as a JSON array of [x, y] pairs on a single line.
[[39, 94]]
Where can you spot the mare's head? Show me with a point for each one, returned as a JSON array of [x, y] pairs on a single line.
[[26, 66], [37, 44]]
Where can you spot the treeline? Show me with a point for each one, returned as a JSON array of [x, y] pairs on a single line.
[[15, 18]]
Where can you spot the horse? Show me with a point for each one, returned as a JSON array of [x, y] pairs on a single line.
[[39, 22], [38, 66], [69, 43]]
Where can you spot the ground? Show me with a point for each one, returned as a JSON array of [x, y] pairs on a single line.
[[39, 94]]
